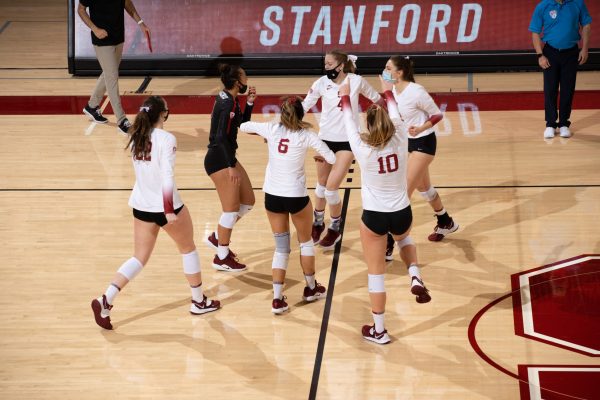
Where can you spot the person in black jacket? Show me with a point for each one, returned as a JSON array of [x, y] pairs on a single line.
[[229, 176]]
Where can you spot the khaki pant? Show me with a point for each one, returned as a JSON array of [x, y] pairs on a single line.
[[109, 58]]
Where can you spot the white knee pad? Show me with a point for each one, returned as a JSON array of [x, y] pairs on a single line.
[[191, 263], [320, 191], [244, 209], [228, 219], [407, 241], [307, 248], [430, 194], [332, 197], [280, 260], [130, 268], [282, 250], [376, 283]]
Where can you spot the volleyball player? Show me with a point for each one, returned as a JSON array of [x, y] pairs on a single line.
[[340, 68], [286, 195], [221, 165], [381, 153], [421, 114], [156, 203]]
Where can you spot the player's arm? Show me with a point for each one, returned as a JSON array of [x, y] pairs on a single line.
[[223, 108], [82, 12], [167, 176], [349, 122], [426, 103], [370, 93], [256, 128], [325, 153], [311, 97], [130, 8]]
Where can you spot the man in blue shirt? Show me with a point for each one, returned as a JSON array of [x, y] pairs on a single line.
[[560, 22]]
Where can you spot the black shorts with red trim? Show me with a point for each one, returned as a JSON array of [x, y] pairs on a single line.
[[158, 218]]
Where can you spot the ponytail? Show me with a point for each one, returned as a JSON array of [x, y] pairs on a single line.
[[380, 127], [292, 113], [139, 133]]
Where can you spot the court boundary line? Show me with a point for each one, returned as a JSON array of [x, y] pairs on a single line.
[[566, 186], [314, 384]]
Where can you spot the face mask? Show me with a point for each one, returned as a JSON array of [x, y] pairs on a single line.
[[387, 76], [243, 88], [332, 73], [166, 115]]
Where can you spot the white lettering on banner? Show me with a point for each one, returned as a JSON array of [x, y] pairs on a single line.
[[464, 19], [355, 25], [462, 112], [274, 20], [414, 26], [439, 25], [322, 26], [447, 131], [378, 23], [300, 11], [269, 11]]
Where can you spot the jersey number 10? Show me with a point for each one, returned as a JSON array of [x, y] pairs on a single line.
[[390, 165]]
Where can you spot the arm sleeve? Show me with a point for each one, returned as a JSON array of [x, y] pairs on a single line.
[[312, 97], [247, 112], [537, 21], [262, 128], [584, 16], [167, 172], [223, 120], [321, 148], [426, 103], [349, 122], [369, 92], [393, 112]]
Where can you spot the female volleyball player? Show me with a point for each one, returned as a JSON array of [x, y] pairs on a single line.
[[340, 68], [421, 114], [381, 154], [156, 203], [286, 194], [227, 173]]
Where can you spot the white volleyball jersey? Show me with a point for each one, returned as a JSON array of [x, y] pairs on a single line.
[[287, 152], [331, 124], [382, 170], [154, 189], [416, 106]]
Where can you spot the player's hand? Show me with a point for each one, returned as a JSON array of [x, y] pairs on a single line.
[[344, 90], [235, 176], [544, 63], [171, 218], [583, 56], [319, 158], [414, 130], [100, 33], [385, 85], [251, 95], [144, 28]]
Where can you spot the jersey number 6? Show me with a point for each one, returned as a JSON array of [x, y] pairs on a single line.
[[391, 164], [283, 147]]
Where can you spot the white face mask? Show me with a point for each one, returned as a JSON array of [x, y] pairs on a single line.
[[387, 76]]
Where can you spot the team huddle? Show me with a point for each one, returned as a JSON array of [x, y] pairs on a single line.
[[394, 154]]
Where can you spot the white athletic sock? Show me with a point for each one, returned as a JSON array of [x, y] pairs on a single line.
[[111, 292], [319, 217], [335, 223], [197, 294], [310, 281], [222, 251], [379, 320], [414, 270], [441, 212], [277, 290]]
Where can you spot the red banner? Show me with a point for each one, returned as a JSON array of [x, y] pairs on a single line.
[[209, 28]]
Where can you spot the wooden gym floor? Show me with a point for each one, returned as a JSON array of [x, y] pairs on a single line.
[[522, 203]]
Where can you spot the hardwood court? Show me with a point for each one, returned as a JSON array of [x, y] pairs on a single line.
[[521, 202]]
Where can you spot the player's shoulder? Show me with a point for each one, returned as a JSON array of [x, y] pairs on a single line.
[[162, 135], [224, 97]]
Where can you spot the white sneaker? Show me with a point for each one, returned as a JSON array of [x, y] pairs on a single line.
[[565, 132], [549, 133]]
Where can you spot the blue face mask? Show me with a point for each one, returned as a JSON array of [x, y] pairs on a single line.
[[387, 76]]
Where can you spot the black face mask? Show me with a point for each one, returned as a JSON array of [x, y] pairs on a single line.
[[332, 73], [243, 88]]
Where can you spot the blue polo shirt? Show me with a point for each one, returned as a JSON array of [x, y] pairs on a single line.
[[560, 22]]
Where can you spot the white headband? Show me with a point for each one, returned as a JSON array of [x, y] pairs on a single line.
[[353, 58]]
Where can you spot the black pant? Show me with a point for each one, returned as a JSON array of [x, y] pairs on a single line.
[[563, 72]]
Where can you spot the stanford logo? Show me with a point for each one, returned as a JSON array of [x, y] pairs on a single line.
[[553, 14]]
